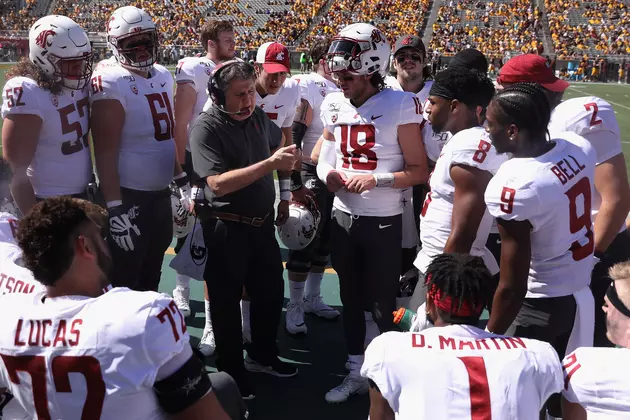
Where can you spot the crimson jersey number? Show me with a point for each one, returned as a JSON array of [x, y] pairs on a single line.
[[592, 106], [163, 112], [482, 151], [273, 116], [61, 367], [14, 97], [570, 368], [361, 157], [167, 315], [480, 408], [66, 114]]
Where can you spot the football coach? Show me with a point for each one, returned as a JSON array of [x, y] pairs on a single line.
[[235, 148]]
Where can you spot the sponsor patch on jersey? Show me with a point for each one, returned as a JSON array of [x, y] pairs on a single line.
[[134, 89], [334, 107], [129, 78], [55, 100], [208, 71], [322, 92]]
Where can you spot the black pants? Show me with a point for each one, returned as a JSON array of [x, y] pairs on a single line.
[[617, 252], [242, 255], [419, 194], [365, 252], [550, 320], [316, 253], [494, 246], [141, 269], [226, 390]]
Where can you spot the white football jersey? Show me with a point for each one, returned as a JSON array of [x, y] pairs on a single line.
[[594, 119], [554, 193], [195, 71], [462, 372], [108, 359], [433, 142], [599, 380], [471, 147], [62, 164], [14, 277], [366, 142], [147, 150], [313, 89], [281, 107]]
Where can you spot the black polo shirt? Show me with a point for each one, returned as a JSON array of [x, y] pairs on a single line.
[[219, 144]]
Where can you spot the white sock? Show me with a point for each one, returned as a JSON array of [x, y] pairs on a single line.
[[208, 318], [182, 281], [296, 291], [314, 283], [356, 361], [245, 312]]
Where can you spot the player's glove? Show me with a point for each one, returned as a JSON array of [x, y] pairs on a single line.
[[121, 227], [185, 193]]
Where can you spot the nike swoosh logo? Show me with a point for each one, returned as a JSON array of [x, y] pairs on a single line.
[[278, 106], [376, 117], [383, 226], [163, 84]]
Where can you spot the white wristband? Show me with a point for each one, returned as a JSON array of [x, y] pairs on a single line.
[[285, 184], [197, 193], [384, 180], [182, 175], [285, 195], [114, 203]]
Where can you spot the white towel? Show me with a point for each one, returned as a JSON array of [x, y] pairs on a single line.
[[584, 324], [191, 259]]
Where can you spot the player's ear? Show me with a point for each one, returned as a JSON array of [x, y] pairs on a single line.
[[454, 105], [513, 131]]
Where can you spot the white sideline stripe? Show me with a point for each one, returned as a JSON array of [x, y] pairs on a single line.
[[607, 100]]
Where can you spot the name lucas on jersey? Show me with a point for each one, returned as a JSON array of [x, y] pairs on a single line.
[[562, 172], [450, 343], [42, 333], [13, 285]]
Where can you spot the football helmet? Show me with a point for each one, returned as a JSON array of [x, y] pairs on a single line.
[[183, 219], [300, 228], [131, 34], [56, 45], [8, 227], [360, 49]]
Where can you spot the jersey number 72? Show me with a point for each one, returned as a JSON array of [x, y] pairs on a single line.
[[61, 367]]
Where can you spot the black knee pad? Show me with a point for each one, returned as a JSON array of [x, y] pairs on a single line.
[[299, 261], [180, 244]]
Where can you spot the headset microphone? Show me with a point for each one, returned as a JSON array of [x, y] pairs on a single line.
[[220, 108]]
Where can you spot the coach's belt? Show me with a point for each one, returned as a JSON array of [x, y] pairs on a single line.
[[253, 221]]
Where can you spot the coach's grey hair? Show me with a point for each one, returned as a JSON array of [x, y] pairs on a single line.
[[236, 71]]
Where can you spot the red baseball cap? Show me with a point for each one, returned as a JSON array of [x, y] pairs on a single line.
[[531, 68], [274, 57]]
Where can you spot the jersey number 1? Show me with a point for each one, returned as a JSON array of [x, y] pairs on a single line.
[[61, 367], [163, 102], [353, 159], [480, 408]]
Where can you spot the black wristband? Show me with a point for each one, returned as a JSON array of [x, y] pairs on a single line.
[[296, 181]]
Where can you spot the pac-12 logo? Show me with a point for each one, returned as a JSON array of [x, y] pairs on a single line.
[[42, 38]]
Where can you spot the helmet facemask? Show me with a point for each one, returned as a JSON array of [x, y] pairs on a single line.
[[345, 54], [144, 42], [72, 72]]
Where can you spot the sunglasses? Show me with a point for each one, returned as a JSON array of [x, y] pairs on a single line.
[[613, 297], [413, 57]]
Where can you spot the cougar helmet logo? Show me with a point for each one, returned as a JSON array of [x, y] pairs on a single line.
[[407, 40], [376, 36], [308, 233], [280, 56], [198, 253], [42, 38]]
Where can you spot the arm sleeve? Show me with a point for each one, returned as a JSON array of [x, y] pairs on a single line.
[[106, 86], [410, 109], [185, 72], [20, 96], [206, 150], [511, 200], [375, 367], [327, 160]]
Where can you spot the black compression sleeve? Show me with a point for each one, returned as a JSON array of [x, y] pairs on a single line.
[[184, 387], [298, 129]]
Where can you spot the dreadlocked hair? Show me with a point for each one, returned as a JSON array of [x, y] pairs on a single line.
[[463, 278], [468, 86], [26, 68], [524, 105]]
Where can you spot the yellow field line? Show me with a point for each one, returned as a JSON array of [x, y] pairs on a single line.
[[171, 251]]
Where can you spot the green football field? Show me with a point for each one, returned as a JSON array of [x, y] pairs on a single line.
[[321, 354]]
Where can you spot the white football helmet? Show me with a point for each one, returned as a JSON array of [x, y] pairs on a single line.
[[58, 45], [8, 227], [301, 226], [360, 49], [183, 220], [130, 33]]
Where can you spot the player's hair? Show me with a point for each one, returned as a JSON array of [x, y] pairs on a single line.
[[46, 235], [211, 29], [467, 86], [377, 80], [26, 68], [318, 50], [620, 274], [524, 105], [235, 71], [463, 278]]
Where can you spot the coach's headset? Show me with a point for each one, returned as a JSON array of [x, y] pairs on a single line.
[[216, 94]]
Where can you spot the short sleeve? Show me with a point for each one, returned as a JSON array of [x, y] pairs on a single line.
[[575, 375], [473, 148], [21, 96], [374, 368], [206, 149], [165, 338], [550, 372], [410, 109], [105, 86], [185, 72], [324, 115], [509, 199]]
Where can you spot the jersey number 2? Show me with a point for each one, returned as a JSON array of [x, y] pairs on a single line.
[[74, 146], [353, 159], [593, 106], [61, 367], [163, 102], [480, 408]]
